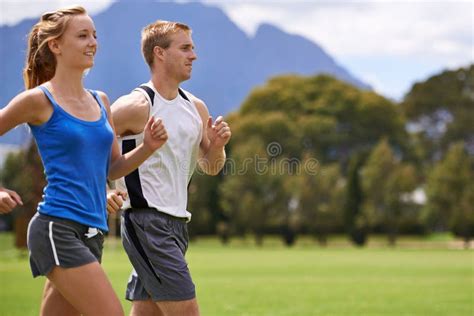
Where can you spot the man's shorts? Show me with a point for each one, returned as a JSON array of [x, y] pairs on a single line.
[[156, 244], [54, 241]]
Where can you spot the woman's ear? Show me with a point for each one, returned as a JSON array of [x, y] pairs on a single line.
[[54, 47]]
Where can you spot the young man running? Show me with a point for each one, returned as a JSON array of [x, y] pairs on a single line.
[[154, 223]]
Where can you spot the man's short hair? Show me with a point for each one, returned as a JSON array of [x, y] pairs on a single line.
[[159, 34]]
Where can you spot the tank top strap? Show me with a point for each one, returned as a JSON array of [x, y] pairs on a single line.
[[99, 100], [149, 92], [49, 96]]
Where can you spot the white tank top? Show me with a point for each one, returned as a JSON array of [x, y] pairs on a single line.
[[161, 182]]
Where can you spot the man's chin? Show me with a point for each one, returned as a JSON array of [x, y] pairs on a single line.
[[186, 77]]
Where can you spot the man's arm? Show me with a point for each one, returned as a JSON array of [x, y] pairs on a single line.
[[129, 114], [215, 135]]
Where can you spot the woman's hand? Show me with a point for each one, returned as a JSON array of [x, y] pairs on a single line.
[[115, 200], [8, 200]]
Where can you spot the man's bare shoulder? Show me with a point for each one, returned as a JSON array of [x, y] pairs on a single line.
[[134, 101]]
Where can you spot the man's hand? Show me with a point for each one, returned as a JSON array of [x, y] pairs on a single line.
[[115, 200], [8, 200], [155, 134], [218, 132]]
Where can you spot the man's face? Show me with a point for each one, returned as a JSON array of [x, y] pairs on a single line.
[[179, 56]]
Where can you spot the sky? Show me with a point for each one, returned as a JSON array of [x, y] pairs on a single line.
[[388, 44]]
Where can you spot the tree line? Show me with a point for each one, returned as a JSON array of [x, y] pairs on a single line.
[[314, 155]]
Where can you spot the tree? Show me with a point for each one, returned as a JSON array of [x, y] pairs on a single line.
[[321, 197], [355, 221], [203, 203], [253, 192], [462, 221], [385, 182], [332, 119], [440, 111], [288, 120], [449, 192], [23, 172]]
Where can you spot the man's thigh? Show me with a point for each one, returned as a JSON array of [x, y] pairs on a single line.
[[175, 308], [145, 308], [156, 245]]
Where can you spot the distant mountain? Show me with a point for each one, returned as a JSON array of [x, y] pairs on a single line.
[[229, 63]]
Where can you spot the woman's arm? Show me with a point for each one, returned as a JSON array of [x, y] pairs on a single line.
[[30, 106]]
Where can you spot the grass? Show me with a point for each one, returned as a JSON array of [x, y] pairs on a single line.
[[242, 279]]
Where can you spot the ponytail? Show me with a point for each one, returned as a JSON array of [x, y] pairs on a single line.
[[40, 64]]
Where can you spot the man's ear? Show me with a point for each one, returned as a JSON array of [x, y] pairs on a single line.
[[54, 47], [158, 52]]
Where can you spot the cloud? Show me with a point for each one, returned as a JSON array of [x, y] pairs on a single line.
[[390, 44], [13, 11], [343, 28], [354, 28]]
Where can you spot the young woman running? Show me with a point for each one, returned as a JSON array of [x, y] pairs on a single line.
[[74, 133]]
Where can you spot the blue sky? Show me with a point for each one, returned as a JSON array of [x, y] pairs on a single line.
[[388, 44]]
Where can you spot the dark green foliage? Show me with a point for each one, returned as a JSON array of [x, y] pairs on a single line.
[[23, 173], [449, 191], [356, 225], [387, 185], [442, 111]]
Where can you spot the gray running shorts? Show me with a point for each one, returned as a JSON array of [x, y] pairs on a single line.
[[156, 244], [54, 241]]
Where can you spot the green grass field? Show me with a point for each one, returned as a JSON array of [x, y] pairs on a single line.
[[242, 279]]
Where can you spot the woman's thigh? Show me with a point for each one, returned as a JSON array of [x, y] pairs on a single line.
[[87, 289]]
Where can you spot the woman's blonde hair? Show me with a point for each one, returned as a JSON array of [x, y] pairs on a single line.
[[159, 34], [40, 64]]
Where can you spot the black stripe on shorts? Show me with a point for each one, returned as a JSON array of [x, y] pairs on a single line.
[[136, 242]]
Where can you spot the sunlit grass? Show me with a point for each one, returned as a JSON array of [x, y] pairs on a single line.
[[243, 279]]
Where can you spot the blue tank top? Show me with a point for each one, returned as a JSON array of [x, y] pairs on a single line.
[[76, 156]]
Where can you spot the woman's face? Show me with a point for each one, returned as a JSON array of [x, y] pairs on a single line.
[[78, 45]]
